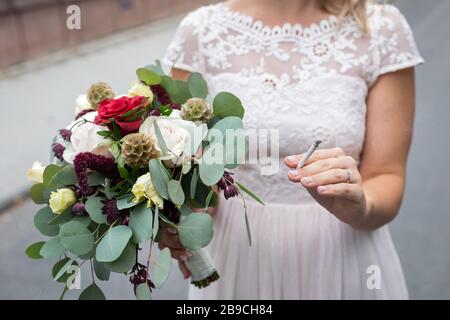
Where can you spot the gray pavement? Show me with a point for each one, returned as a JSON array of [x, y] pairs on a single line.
[[421, 231]]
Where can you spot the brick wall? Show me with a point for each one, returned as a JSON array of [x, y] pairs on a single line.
[[32, 28]]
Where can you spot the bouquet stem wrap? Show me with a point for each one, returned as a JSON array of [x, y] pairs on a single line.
[[202, 269]]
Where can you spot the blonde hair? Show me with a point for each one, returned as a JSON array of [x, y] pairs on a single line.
[[343, 8]]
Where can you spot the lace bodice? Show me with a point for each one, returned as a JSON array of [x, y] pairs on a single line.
[[308, 83]]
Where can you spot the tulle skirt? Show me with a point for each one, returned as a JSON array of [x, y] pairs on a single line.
[[299, 252]]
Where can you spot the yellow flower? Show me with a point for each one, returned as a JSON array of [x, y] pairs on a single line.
[[140, 89], [61, 200], [144, 189], [36, 172]]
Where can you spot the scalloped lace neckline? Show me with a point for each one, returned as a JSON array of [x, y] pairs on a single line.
[[297, 30]]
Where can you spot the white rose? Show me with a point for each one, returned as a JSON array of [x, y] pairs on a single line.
[[180, 136], [84, 138], [36, 172], [82, 103]]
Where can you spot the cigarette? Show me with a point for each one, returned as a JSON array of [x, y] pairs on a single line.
[[308, 154]]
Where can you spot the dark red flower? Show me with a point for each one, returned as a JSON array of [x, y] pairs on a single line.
[[119, 110], [65, 134], [58, 150]]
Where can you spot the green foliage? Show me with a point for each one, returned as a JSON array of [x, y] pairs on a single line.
[[33, 250], [42, 222], [182, 93], [176, 193], [59, 269], [113, 243], [76, 238], [37, 193], [94, 207], [148, 76], [196, 230], [250, 193], [141, 222], [197, 85], [226, 104], [100, 270], [211, 168], [143, 292], [93, 292], [52, 248], [64, 177], [125, 261], [161, 269], [159, 178]]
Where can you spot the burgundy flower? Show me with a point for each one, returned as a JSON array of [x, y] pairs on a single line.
[[176, 106], [230, 192], [226, 180], [110, 210], [65, 134], [88, 160], [78, 209], [140, 275], [155, 113], [161, 94], [58, 150]]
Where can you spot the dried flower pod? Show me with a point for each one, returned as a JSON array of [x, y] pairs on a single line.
[[138, 149], [98, 92], [196, 109]]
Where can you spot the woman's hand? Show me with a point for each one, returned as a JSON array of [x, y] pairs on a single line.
[[333, 179], [170, 239]]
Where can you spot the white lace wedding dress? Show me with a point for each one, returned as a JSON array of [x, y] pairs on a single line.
[[309, 83]]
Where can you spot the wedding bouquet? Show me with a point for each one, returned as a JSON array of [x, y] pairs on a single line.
[[128, 163]]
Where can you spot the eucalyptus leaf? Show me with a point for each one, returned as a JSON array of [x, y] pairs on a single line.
[[62, 218], [161, 269], [159, 178], [37, 193], [148, 76], [42, 220], [247, 226], [126, 260], [170, 86], [65, 177], [76, 238], [33, 250], [176, 193], [52, 248], [96, 178], [59, 269], [182, 93], [124, 203], [94, 207], [159, 136], [113, 243], [141, 222], [211, 168], [49, 172], [100, 270], [193, 184], [195, 230], [155, 223], [197, 85], [143, 292], [226, 104], [93, 292]]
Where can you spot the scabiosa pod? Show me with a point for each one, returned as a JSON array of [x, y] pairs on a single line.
[[87, 160]]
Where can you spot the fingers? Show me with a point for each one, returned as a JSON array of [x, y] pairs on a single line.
[[292, 161], [184, 270], [324, 165], [349, 191], [328, 177], [170, 238]]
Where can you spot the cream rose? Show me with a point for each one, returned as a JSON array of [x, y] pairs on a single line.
[[36, 172], [181, 137], [84, 138], [140, 89], [144, 189], [82, 103], [61, 200]]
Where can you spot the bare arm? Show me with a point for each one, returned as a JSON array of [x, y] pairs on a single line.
[[373, 196]]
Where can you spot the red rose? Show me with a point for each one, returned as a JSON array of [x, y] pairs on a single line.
[[117, 109]]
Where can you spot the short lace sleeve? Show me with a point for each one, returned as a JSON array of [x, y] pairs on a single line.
[[393, 40], [184, 51]]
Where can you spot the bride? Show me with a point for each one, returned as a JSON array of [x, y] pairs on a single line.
[[339, 71]]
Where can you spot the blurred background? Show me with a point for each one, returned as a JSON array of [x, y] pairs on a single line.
[[44, 66]]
